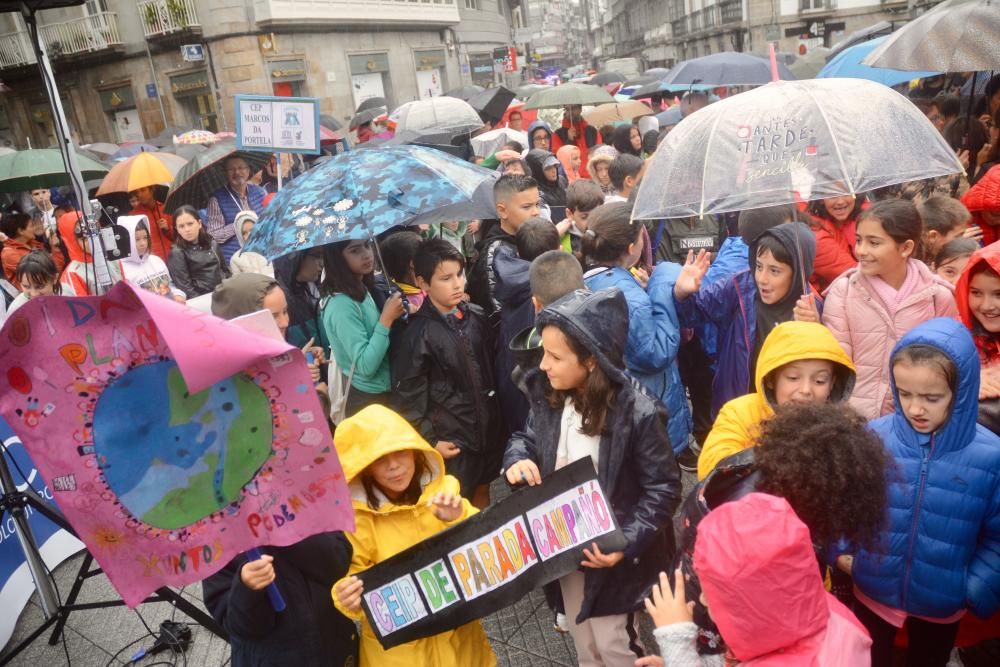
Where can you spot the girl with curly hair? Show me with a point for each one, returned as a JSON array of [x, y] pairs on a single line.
[[830, 468]]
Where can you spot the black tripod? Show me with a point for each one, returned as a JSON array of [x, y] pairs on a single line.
[[56, 612]]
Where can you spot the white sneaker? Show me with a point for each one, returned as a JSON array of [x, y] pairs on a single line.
[[561, 625]]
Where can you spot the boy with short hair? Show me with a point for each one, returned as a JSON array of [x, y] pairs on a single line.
[[517, 201], [944, 219], [624, 174], [536, 236], [582, 197], [443, 376]]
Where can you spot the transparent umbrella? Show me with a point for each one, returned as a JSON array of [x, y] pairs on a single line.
[[438, 113], [791, 141]]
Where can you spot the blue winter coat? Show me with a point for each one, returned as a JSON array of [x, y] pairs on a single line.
[[654, 335], [942, 537], [731, 258], [729, 304]]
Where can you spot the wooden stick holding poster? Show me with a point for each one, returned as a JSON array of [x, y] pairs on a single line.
[[492, 559]]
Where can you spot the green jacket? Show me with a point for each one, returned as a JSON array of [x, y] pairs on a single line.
[[358, 338]]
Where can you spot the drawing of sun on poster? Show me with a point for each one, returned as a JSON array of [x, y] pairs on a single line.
[[172, 440], [492, 559]]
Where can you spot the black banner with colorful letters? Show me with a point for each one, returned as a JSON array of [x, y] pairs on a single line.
[[492, 559]]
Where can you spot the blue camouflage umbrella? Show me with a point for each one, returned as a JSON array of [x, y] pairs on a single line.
[[360, 194]]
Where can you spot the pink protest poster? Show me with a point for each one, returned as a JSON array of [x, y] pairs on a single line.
[[172, 440]]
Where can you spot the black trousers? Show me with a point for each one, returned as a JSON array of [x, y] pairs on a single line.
[[930, 644], [696, 373]]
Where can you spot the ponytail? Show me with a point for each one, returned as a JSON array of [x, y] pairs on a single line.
[[610, 232]]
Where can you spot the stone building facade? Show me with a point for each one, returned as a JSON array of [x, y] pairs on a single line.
[[124, 74]]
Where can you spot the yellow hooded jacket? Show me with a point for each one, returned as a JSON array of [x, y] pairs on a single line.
[[738, 424], [379, 534]]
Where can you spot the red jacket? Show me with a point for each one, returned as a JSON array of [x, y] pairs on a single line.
[[834, 250], [982, 197], [14, 250], [586, 138]]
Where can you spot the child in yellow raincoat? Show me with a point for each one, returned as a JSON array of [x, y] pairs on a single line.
[[799, 362], [401, 496]]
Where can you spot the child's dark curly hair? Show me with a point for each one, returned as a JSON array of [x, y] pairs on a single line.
[[830, 468]]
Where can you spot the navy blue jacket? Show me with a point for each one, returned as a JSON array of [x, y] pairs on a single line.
[[941, 551]]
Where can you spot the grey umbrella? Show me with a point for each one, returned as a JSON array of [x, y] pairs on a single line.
[[955, 36], [204, 174], [372, 103], [604, 78], [465, 93], [871, 32], [366, 116]]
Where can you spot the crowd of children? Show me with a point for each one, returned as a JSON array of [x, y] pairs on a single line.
[[830, 371]]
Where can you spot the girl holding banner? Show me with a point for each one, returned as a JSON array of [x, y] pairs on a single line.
[[583, 404], [401, 496]]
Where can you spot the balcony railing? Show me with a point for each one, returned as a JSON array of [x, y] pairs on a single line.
[[349, 12], [97, 32], [732, 11], [15, 50], [165, 17]]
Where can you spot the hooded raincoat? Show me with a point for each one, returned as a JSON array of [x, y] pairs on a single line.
[[635, 466], [654, 337], [587, 137], [241, 295], [380, 533], [531, 134], [984, 197], [248, 262], [738, 423], [755, 560], [78, 278], [605, 156], [867, 330], [147, 271], [304, 321], [988, 344], [731, 304], [553, 193], [941, 548]]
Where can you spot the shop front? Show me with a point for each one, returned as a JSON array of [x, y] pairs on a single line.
[[118, 104], [288, 77], [370, 77], [431, 72], [194, 94], [483, 73]]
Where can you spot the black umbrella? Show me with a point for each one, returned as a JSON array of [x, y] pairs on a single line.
[[330, 123], [604, 78], [204, 174], [366, 116], [492, 103], [658, 72], [372, 103], [465, 93]]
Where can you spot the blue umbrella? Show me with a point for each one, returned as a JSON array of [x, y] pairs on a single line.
[[360, 194], [847, 65], [726, 69]]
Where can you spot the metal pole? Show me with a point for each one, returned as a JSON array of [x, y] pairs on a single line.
[[13, 503], [280, 169], [159, 98]]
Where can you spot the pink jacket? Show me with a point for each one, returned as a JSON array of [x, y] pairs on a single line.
[[867, 332], [757, 567]]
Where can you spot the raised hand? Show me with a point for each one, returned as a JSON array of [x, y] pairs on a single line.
[[694, 269], [668, 607], [446, 506]]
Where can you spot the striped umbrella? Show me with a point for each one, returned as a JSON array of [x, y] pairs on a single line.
[[196, 137], [140, 171]]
